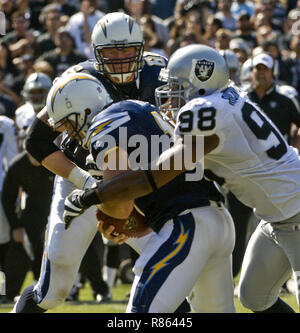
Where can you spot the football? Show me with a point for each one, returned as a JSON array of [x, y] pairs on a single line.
[[134, 226]]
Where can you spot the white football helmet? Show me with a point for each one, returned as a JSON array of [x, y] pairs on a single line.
[[118, 30], [193, 71], [35, 90], [73, 101]]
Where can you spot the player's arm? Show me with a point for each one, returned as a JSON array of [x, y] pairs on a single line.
[[134, 184], [115, 208], [40, 144]]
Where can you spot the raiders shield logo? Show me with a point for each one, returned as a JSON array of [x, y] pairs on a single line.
[[204, 69]]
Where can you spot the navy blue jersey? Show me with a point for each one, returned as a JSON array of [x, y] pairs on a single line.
[[142, 89], [119, 126], [147, 81]]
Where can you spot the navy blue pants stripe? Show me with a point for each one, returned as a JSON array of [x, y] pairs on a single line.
[[169, 255]]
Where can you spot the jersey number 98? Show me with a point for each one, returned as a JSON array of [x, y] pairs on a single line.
[[206, 120]]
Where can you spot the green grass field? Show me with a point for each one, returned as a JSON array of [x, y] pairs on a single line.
[[118, 304]]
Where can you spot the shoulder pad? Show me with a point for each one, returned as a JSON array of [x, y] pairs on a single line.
[[155, 59]]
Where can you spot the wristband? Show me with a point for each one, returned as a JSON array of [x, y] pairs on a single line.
[[78, 177], [89, 198]]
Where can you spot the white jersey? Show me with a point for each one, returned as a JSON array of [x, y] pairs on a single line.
[[258, 165], [8, 145]]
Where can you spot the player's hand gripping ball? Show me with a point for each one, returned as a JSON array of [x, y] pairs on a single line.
[[134, 226]]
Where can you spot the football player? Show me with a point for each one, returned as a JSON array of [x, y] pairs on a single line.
[[8, 150], [244, 147], [193, 232], [125, 73], [35, 91]]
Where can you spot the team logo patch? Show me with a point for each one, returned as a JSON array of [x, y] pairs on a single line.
[[204, 69]]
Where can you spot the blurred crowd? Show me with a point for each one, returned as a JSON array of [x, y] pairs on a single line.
[[51, 35]]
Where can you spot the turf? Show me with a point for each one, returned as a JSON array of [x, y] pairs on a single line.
[[86, 304]]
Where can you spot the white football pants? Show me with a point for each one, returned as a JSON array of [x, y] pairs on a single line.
[[191, 255], [64, 249]]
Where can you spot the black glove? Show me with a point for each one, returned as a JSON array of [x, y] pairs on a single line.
[[77, 202]]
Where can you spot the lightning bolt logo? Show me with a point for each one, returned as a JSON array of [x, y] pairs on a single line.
[[99, 129], [181, 240], [131, 22]]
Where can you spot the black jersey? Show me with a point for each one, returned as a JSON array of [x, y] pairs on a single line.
[[281, 105]]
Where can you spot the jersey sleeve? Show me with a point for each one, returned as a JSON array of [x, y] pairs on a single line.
[[198, 117]]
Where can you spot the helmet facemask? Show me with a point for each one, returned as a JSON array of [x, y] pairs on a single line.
[[172, 96], [74, 124], [36, 97], [120, 70]]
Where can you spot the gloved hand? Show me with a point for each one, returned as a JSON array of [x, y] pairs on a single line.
[[77, 202], [73, 207]]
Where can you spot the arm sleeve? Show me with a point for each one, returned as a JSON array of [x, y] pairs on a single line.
[[39, 142], [10, 194]]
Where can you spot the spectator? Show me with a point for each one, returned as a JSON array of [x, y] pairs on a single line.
[[224, 14], [27, 174], [143, 13], [20, 38], [34, 9], [176, 31], [8, 73], [147, 22], [240, 48], [41, 66], [260, 20], [81, 25], [50, 19], [265, 33], [64, 55], [194, 25], [233, 64], [152, 43], [274, 12], [293, 63], [264, 91], [187, 38], [240, 6], [223, 37], [7, 105], [280, 68], [285, 39], [8, 151], [212, 25], [65, 7], [8, 7], [245, 30]]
